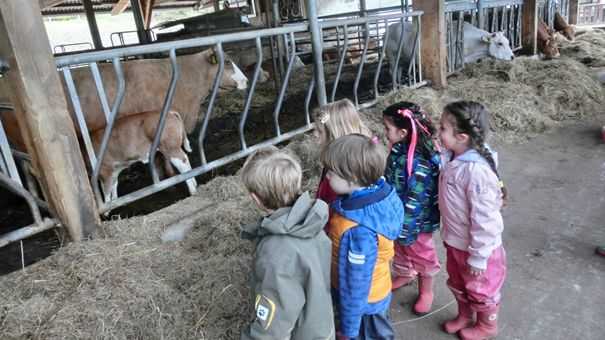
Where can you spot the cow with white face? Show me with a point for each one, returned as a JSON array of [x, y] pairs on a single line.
[[477, 44]]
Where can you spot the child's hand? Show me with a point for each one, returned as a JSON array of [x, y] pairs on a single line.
[[475, 271]]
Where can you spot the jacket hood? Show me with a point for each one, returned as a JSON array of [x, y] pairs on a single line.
[[305, 219], [473, 156], [377, 207]]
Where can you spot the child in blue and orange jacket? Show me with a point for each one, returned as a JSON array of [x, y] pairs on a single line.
[[365, 219], [413, 170]]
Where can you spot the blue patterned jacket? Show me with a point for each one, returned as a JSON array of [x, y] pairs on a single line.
[[419, 192]]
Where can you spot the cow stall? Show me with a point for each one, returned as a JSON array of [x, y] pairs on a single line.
[[548, 8]]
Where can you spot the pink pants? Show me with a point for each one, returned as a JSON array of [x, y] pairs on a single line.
[[419, 258], [483, 291]]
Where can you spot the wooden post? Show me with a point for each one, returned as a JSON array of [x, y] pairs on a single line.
[[43, 118], [433, 41], [529, 27], [92, 24], [573, 12]]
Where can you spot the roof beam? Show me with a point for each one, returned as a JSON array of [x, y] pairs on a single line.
[[120, 7]]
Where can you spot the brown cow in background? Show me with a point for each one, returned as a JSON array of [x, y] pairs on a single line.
[[547, 44]]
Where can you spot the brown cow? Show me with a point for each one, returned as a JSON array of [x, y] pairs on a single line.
[[547, 44], [561, 26], [130, 142], [147, 81]]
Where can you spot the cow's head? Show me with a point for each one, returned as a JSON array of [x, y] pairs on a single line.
[[499, 46], [550, 48], [569, 32], [233, 77]]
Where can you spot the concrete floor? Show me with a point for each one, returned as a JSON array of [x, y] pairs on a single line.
[[555, 287]]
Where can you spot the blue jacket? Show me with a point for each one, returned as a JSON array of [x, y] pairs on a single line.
[[419, 192], [362, 228]]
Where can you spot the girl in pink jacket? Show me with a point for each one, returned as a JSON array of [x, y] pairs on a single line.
[[470, 198]]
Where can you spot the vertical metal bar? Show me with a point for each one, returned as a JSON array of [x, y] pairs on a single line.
[[460, 44], [412, 65], [395, 74], [257, 70], [360, 67], [174, 67], [419, 29], [308, 100], [450, 42], [284, 86], [117, 66], [318, 67], [96, 75], [215, 86], [341, 62], [381, 58], [7, 160], [75, 100], [481, 14], [494, 22], [92, 24], [278, 39], [138, 20], [276, 73]]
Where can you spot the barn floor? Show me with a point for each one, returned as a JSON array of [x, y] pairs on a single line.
[[553, 222]]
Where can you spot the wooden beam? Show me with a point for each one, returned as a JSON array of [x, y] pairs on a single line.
[[43, 118], [49, 3], [573, 12], [147, 10], [92, 24], [120, 7], [529, 27], [433, 41]]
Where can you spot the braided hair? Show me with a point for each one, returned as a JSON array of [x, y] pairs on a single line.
[[425, 140], [472, 118]]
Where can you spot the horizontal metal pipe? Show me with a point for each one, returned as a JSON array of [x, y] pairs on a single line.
[[133, 196], [364, 20], [88, 57], [28, 231]]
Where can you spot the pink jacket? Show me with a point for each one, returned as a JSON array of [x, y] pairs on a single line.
[[469, 201]]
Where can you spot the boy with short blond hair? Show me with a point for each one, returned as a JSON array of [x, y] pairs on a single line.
[[291, 270]]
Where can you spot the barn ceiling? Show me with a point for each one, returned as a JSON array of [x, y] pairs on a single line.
[[55, 7]]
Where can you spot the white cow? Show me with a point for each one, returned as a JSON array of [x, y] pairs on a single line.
[[477, 44]]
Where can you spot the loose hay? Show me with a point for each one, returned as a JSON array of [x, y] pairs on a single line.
[[588, 48], [127, 284]]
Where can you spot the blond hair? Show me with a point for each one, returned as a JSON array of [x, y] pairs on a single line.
[[338, 119], [355, 158], [274, 176]]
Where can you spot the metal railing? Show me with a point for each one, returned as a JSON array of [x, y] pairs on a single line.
[[119, 38], [489, 15], [352, 37], [591, 14], [92, 59], [11, 180], [62, 48], [548, 8]]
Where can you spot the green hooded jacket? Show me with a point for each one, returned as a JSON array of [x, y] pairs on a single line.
[[291, 275]]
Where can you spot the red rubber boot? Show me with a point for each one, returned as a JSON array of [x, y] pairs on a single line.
[[425, 295], [485, 328], [400, 281], [463, 320]]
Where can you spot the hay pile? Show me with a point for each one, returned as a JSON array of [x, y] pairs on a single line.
[[588, 48], [525, 97]]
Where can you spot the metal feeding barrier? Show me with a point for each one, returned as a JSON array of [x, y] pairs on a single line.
[[358, 38], [490, 15], [11, 180], [216, 42], [548, 8]]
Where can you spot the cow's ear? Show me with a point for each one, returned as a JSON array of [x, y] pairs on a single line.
[[487, 38]]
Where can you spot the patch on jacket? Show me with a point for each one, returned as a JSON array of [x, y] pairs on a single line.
[[265, 310], [356, 258]]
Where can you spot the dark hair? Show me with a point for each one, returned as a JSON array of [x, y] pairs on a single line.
[[472, 118], [424, 140]]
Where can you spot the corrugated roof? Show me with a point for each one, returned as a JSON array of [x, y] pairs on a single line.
[[76, 7]]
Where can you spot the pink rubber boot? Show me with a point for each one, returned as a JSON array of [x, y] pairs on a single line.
[[425, 295], [463, 320], [485, 328], [400, 281]]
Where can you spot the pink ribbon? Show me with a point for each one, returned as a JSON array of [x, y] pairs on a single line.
[[412, 148]]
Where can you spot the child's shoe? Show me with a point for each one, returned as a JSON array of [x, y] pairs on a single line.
[[403, 280], [425, 295], [485, 328], [463, 320]]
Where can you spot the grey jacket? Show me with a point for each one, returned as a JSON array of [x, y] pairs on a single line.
[[291, 275]]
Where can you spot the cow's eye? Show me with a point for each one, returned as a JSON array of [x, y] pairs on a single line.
[[500, 44]]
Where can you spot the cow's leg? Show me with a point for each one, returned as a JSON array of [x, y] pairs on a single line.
[[182, 165]]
